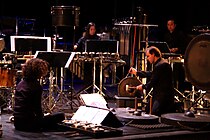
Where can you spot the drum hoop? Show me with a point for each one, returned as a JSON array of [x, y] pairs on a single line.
[[189, 76]]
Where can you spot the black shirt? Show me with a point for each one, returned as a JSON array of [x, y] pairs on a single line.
[[161, 82]]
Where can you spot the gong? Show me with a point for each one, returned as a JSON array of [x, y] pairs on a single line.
[[131, 82], [197, 61]]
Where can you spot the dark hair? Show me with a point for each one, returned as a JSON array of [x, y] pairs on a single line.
[[35, 68], [154, 50], [89, 25], [87, 32]]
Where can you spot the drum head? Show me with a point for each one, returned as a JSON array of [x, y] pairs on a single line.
[[197, 61], [132, 82]]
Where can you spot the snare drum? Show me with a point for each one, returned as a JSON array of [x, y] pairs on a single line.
[[7, 76]]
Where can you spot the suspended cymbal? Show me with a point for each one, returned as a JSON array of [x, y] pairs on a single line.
[[126, 115], [200, 121]]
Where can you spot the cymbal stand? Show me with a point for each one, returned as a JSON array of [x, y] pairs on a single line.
[[192, 93], [50, 99], [180, 94], [150, 100], [148, 95], [62, 98], [197, 100], [56, 95]]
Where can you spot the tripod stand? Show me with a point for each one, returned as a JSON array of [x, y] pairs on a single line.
[[95, 87], [57, 99]]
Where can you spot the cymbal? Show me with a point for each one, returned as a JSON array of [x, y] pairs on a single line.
[[129, 115], [200, 121]]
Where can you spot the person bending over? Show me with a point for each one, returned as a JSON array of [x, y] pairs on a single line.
[[28, 113]]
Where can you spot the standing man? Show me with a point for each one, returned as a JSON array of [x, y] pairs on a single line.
[[160, 79]]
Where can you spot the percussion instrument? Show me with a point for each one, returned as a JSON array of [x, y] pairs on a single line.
[[197, 61], [197, 65], [127, 87], [65, 15], [7, 76]]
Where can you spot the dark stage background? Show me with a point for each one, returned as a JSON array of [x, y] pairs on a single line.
[[187, 13]]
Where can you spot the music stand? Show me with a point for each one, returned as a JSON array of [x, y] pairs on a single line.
[[102, 46], [55, 60]]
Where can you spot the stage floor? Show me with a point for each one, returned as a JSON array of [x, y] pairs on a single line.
[[129, 132], [137, 130]]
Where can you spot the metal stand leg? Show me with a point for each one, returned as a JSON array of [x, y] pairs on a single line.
[[49, 102], [196, 101], [95, 87], [62, 100], [57, 99]]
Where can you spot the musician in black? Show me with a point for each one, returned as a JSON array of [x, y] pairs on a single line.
[[89, 34], [177, 41], [28, 113], [160, 82]]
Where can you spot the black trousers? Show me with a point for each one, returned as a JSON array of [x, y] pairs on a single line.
[[47, 123]]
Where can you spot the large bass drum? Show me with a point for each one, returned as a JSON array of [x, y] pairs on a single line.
[[65, 15], [129, 82], [197, 61]]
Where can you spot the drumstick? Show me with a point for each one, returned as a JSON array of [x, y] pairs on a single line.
[[127, 87]]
